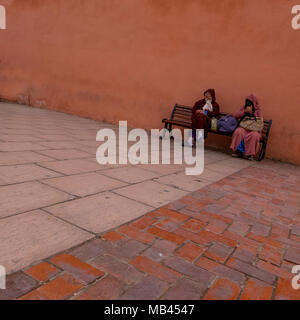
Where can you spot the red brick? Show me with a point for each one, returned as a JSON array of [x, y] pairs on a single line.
[[261, 229], [277, 201], [42, 271], [219, 252], [280, 230], [77, 268], [185, 289], [257, 290], [120, 270], [112, 236], [190, 236], [143, 223], [220, 217], [126, 250], [17, 284], [149, 288], [206, 264], [265, 240], [295, 237], [91, 249], [193, 225], [223, 289], [160, 250], [163, 234], [192, 271], [285, 220], [296, 230], [279, 272], [220, 270], [154, 268], [272, 213], [242, 240], [136, 234], [240, 228], [201, 216], [250, 270], [168, 224], [60, 288], [271, 254], [292, 255], [217, 227], [210, 237], [190, 252], [285, 291], [163, 212], [245, 253], [108, 288], [288, 266]]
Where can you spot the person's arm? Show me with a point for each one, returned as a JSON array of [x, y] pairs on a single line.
[[197, 106], [258, 113], [239, 114], [215, 112]]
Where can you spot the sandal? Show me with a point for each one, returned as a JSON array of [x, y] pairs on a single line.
[[250, 158], [237, 154]]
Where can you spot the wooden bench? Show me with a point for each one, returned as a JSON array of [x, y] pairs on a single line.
[[181, 116]]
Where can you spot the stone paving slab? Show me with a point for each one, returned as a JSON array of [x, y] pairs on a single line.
[[62, 154], [21, 157], [99, 212], [82, 185], [130, 174], [22, 197], [72, 166], [182, 181], [33, 236], [160, 194], [24, 172]]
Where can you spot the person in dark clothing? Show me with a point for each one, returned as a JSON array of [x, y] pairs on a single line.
[[203, 111]]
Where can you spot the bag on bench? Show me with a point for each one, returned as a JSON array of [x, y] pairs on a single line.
[[252, 124], [227, 124]]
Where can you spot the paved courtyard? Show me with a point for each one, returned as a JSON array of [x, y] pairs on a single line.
[[73, 229]]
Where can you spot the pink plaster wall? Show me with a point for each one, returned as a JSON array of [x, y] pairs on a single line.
[[133, 59]]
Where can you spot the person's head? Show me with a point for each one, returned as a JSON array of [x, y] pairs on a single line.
[[207, 95], [249, 106], [210, 95]]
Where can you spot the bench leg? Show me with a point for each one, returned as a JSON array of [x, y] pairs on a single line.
[[170, 131], [262, 152], [165, 131]]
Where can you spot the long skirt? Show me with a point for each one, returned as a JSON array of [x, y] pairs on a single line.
[[200, 121], [251, 139]]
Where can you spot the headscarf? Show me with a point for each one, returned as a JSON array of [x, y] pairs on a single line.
[[208, 106], [257, 109]]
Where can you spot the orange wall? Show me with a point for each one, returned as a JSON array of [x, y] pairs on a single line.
[[133, 59]]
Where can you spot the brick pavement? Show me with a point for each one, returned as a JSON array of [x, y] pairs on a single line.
[[237, 238]]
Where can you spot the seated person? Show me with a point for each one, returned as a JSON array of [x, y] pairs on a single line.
[[246, 143], [202, 113]]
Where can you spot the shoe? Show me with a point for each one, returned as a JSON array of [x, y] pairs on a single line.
[[250, 158], [237, 155]]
